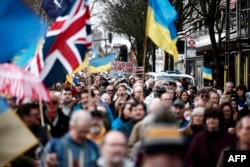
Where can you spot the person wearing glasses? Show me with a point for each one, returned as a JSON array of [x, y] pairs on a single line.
[[110, 90], [113, 151]]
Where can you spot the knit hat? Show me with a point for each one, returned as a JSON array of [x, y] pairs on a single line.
[[198, 111], [178, 102], [163, 139]]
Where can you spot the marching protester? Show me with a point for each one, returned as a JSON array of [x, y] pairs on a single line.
[[87, 109], [73, 149], [30, 115], [113, 151]]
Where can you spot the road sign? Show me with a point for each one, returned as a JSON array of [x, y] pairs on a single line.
[[191, 43]]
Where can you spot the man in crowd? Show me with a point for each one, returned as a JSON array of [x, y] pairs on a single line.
[[243, 134], [30, 115], [137, 114], [166, 100], [84, 101], [97, 129], [66, 101], [214, 98], [229, 89], [54, 117], [110, 90], [73, 149], [113, 151], [178, 112]]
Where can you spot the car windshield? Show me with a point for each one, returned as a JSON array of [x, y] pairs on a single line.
[[174, 78]]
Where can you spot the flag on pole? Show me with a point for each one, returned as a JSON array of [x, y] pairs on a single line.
[[102, 64], [160, 26], [66, 43], [56, 8], [20, 32], [207, 73], [96, 65], [15, 138]]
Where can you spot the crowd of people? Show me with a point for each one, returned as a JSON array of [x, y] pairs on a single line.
[[127, 122]]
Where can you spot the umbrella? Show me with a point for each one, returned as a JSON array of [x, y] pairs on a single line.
[[17, 82], [20, 83]]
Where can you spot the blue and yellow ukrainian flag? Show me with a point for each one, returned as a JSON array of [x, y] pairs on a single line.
[[96, 65], [102, 64], [160, 26], [20, 31], [207, 73], [15, 138]]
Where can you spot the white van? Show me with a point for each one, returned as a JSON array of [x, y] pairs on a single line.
[[170, 76]]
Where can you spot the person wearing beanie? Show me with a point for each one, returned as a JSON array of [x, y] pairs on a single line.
[[195, 125], [163, 146]]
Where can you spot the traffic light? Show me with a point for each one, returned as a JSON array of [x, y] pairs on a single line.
[[123, 53], [110, 37]]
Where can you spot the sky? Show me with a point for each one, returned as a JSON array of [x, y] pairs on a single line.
[[96, 17]]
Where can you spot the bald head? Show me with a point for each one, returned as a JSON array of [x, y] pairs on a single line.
[[80, 117], [155, 106], [114, 136], [106, 98], [113, 148]]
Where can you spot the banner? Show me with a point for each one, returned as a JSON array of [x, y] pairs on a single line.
[[121, 69]]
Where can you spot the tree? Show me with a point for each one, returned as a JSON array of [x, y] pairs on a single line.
[[127, 18], [213, 14]]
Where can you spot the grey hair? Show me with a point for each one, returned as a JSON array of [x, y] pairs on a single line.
[[80, 117]]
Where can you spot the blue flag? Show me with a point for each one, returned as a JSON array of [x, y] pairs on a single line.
[[207, 73], [20, 29], [160, 25], [55, 8]]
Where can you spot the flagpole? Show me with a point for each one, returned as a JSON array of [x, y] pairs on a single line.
[[144, 57], [89, 78], [41, 112]]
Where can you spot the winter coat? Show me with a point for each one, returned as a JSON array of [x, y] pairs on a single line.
[[205, 148]]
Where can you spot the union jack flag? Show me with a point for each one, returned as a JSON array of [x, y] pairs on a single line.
[[65, 46]]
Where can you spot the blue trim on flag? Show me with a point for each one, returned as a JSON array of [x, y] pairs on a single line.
[[3, 105], [98, 62]]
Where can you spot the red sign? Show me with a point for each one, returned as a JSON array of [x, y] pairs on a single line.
[[191, 43], [125, 67]]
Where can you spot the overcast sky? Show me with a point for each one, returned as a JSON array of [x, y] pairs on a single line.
[[96, 23]]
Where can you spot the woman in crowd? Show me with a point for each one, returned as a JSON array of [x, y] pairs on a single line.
[[206, 146], [195, 125], [124, 116], [240, 96], [228, 114], [234, 104], [183, 95]]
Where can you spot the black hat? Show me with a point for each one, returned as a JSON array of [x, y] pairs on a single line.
[[179, 102], [97, 113]]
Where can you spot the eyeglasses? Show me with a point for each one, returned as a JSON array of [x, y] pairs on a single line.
[[203, 96]]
